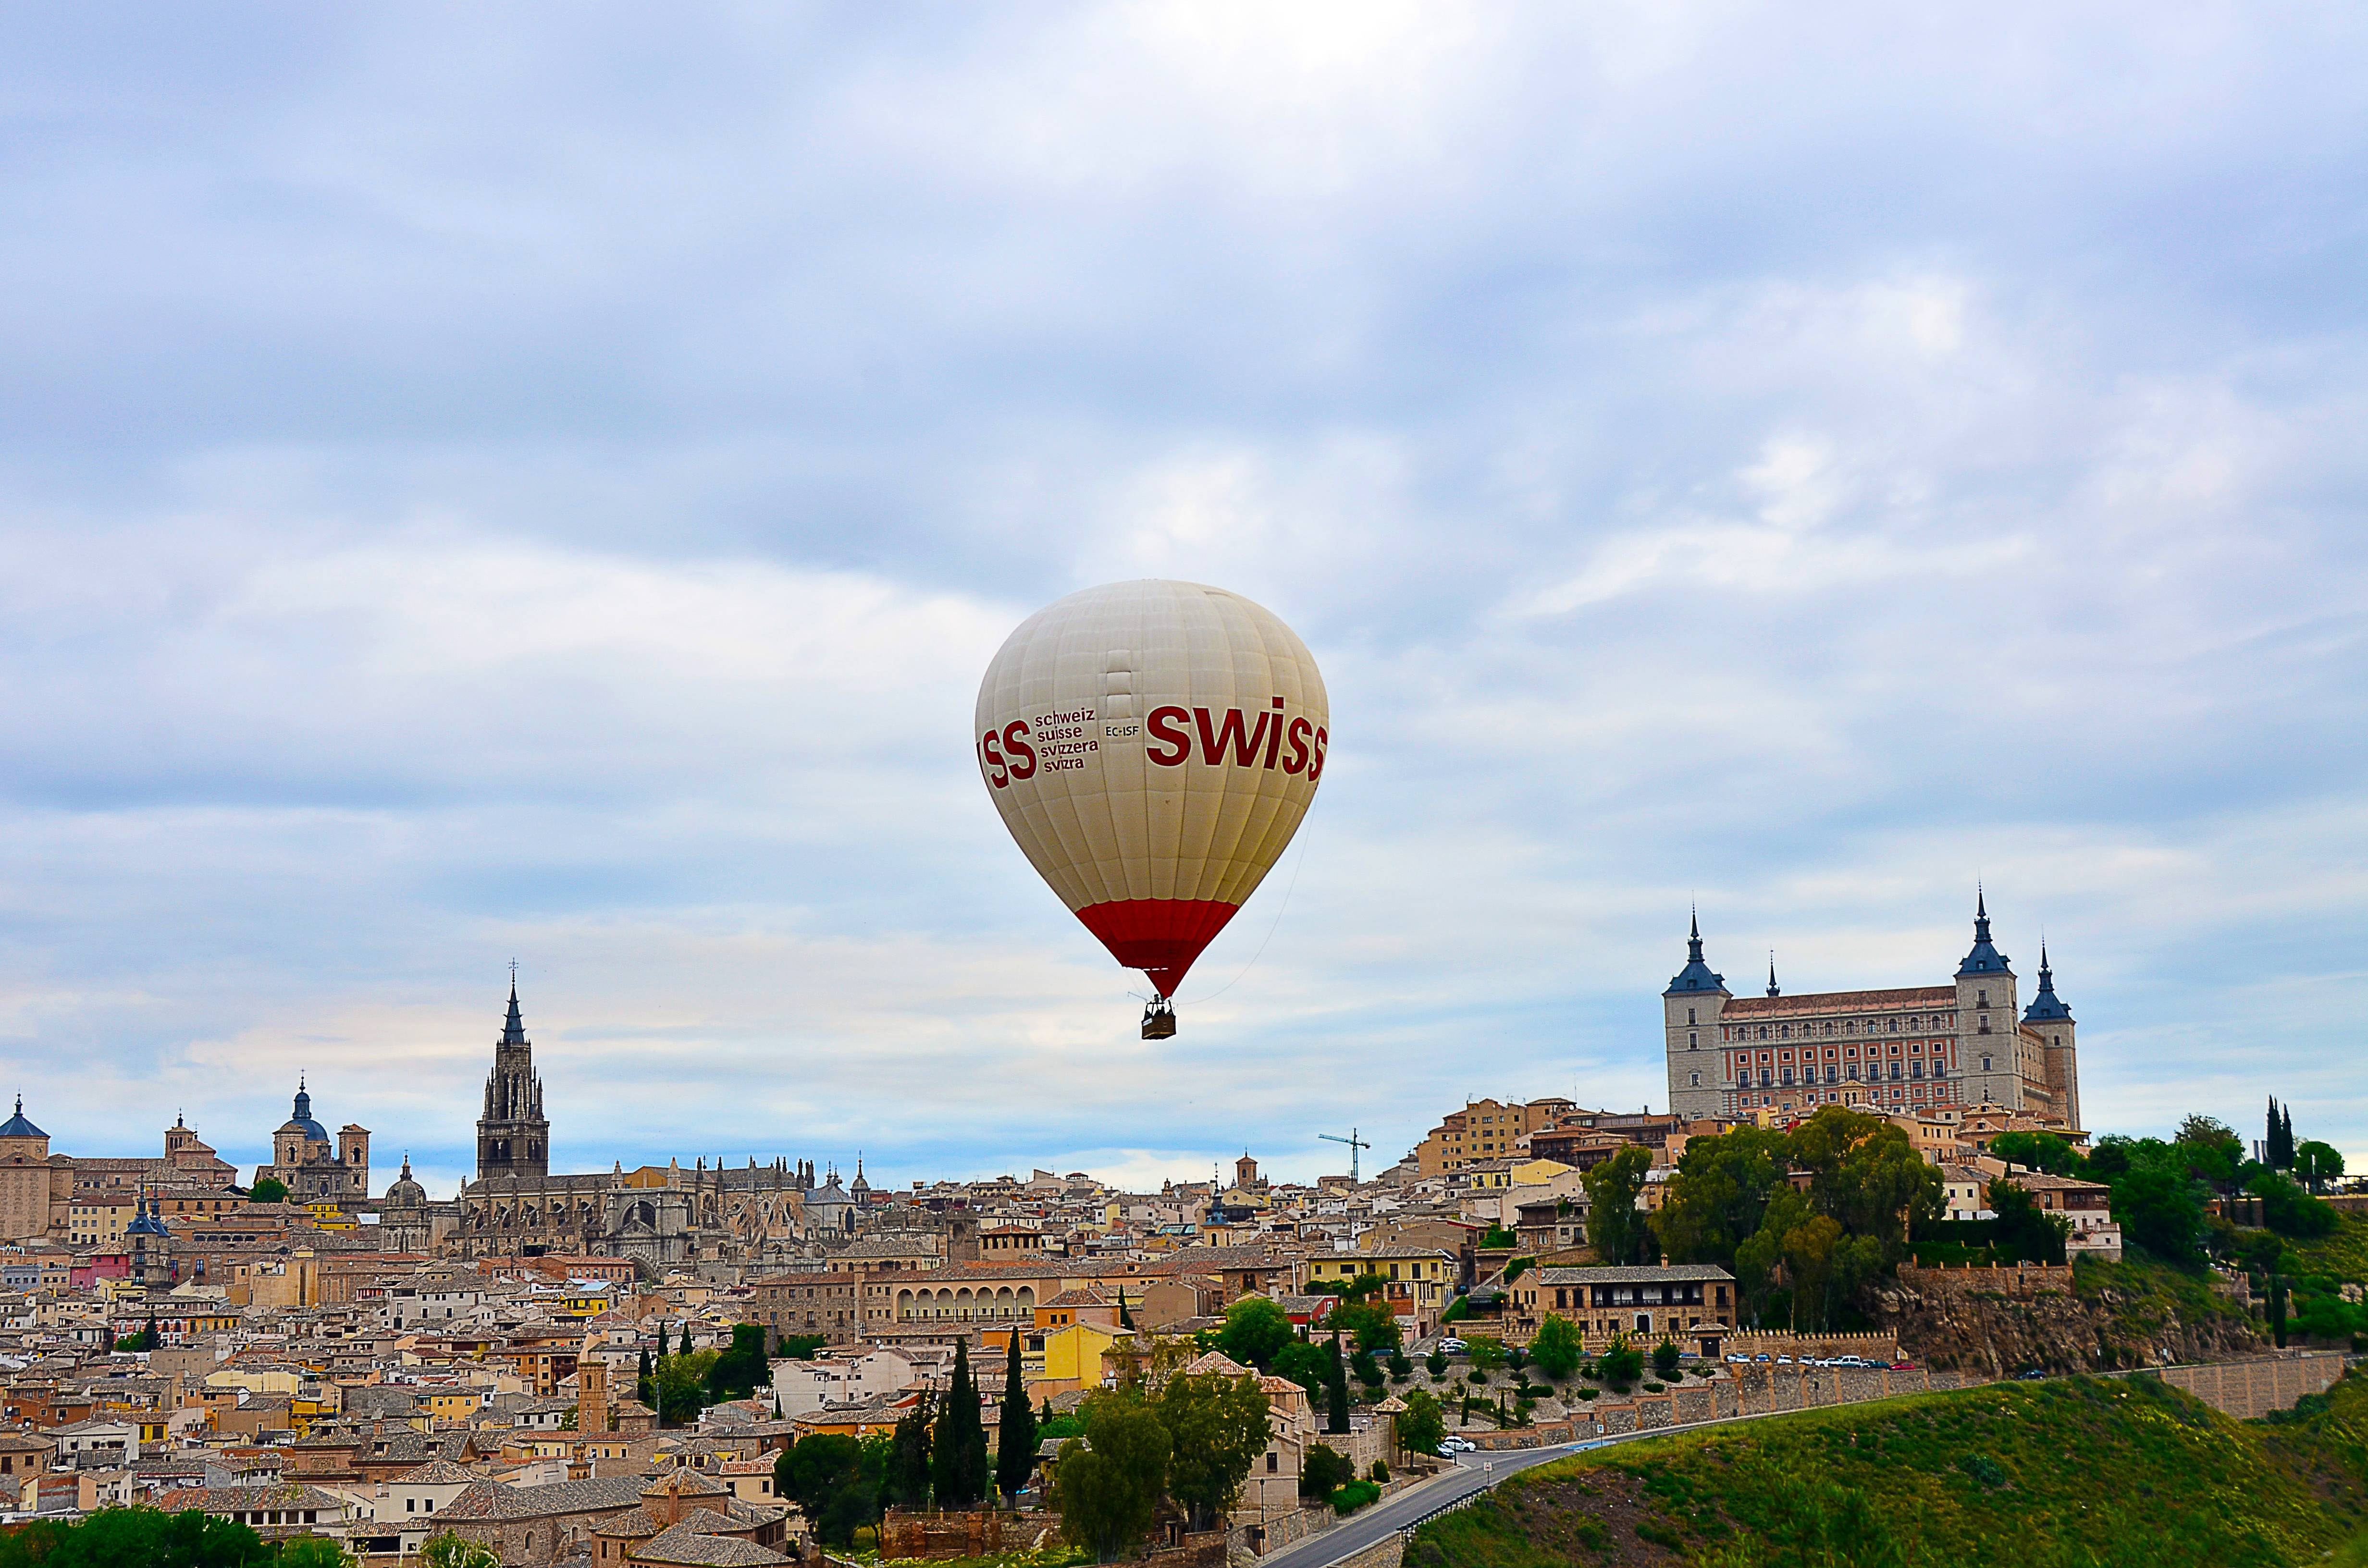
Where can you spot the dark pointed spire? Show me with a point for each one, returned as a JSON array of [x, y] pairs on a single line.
[[1983, 958], [1773, 990], [1697, 976], [2046, 1006], [514, 1026]]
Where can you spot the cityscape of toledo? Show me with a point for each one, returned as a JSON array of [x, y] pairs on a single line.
[[1358, 787]]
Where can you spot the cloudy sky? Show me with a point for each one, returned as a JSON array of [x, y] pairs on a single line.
[[479, 485]]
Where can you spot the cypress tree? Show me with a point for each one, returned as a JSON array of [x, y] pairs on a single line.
[[908, 1457], [1015, 1449], [2285, 1138], [686, 1338], [958, 1464], [642, 1390], [1125, 1319], [1335, 1390]]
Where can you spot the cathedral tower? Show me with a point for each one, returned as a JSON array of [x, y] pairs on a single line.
[[1990, 1046], [513, 1138]]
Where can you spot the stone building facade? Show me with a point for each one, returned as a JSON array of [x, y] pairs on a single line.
[[310, 1165], [1893, 1051]]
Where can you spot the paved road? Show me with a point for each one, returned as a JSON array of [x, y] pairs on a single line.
[[1472, 1473]]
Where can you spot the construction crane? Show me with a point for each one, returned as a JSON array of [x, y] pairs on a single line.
[[1354, 1143]]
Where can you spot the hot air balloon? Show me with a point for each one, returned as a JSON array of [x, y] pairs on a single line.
[[1151, 746]]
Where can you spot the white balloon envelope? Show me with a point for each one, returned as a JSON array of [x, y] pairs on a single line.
[[1151, 746]]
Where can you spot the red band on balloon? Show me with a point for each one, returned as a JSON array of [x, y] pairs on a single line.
[[1161, 937]]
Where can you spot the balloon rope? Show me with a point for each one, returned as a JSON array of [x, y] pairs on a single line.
[[1293, 883]]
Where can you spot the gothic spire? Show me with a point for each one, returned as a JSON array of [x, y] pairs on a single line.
[[514, 1026], [1773, 990]]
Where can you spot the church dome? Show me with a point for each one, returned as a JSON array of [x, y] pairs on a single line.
[[404, 1193], [300, 1121]]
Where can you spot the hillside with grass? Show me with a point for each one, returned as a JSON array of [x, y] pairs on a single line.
[[2081, 1473]]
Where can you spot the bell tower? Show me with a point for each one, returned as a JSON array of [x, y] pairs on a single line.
[[513, 1138]]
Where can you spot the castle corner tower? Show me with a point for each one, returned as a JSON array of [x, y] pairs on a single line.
[[513, 1138], [1690, 1009]]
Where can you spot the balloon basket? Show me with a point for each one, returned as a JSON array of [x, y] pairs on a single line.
[[1160, 1020]]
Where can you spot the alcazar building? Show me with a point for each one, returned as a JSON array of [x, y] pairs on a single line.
[[1914, 1047]]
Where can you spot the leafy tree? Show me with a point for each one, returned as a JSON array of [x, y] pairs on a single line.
[[1718, 1194], [2213, 1151], [1866, 1174], [1516, 1357], [1367, 1371], [1620, 1363], [801, 1346], [1400, 1367], [2039, 1152], [1335, 1390], [1615, 1226], [2159, 1209], [271, 1189], [1556, 1347], [2023, 1228], [1324, 1471], [738, 1370], [958, 1466], [1373, 1324], [1216, 1430], [1255, 1333], [907, 1479], [313, 1551], [450, 1551], [1014, 1440], [1665, 1358], [681, 1384], [1498, 1239], [2288, 1210], [1487, 1352], [1422, 1426], [135, 1537], [2317, 1166], [1436, 1362], [1108, 1484], [1305, 1364], [835, 1481]]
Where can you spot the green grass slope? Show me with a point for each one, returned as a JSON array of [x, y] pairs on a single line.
[[2080, 1473]]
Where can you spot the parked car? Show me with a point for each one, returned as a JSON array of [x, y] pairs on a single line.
[[1451, 1344], [1784, 1360], [1903, 1366], [1454, 1446], [1761, 1357], [2030, 1375], [1849, 1362], [1739, 1358]]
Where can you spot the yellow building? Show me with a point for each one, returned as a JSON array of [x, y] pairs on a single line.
[[1073, 1356], [98, 1218], [1485, 1129]]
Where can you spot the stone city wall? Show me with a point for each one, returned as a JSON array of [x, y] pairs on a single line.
[[2019, 1281], [2252, 1388]]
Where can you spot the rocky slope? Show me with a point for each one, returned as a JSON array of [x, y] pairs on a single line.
[[2113, 1315]]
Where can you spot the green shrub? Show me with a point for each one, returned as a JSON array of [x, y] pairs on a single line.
[[1347, 1500]]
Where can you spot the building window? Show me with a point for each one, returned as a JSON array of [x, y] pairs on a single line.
[[1690, 1015], [1693, 1041]]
